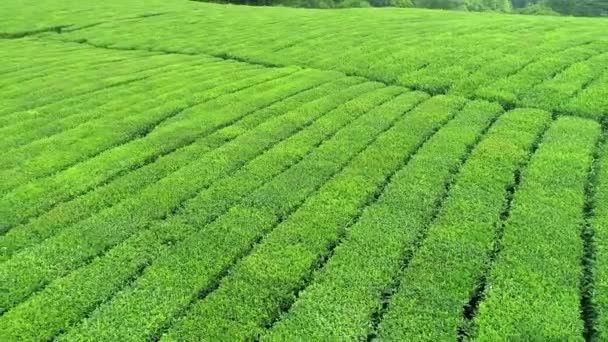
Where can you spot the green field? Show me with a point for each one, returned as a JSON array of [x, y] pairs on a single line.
[[175, 170]]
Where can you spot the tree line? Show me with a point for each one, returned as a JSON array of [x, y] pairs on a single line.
[[589, 8]]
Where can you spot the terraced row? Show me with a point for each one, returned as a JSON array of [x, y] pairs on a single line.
[[184, 197], [556, 64]]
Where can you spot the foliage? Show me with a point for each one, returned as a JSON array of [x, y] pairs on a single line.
[[392, 3], [354, 3], [598, 225], [530, 7], [537, 9], [489, 5], [218, 172], [372, 254], [552, 186], [445, 271]]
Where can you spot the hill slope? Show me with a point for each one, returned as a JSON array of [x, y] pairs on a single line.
[[181, 171]]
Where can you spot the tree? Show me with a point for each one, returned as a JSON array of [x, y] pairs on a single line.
[[520, 3], [537, 9], [561, 6], [590, 8], [400, 3], [354, 4], [441, 4], [489, 5]]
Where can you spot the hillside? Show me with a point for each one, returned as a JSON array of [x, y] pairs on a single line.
[[551, 63], [175, 170]]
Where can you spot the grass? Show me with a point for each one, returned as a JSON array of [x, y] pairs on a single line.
[[175, 170]]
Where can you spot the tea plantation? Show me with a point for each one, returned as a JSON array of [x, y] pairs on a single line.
[[182, 171]]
